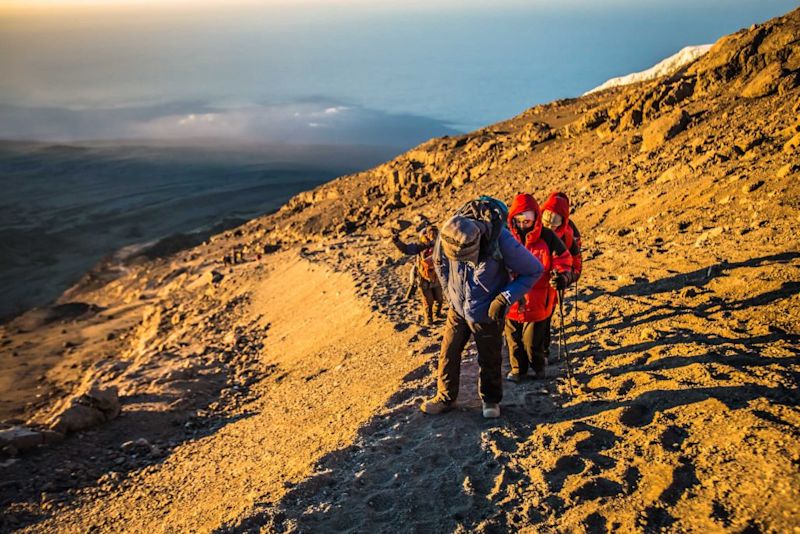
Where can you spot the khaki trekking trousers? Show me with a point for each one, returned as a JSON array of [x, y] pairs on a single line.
[[431, 295]]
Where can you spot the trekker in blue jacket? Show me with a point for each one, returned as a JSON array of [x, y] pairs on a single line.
[[474, 273]]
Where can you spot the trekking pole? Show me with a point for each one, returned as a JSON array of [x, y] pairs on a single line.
[[563, 341], [576, 304]]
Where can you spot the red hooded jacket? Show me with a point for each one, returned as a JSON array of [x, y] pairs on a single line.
[[558, 202], [550, 250]]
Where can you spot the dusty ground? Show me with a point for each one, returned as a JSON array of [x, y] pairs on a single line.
[[281, 394]]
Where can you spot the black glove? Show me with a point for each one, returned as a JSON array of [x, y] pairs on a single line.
[[498, 309], [558, 280]]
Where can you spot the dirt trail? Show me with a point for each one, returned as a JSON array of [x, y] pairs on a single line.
[[302, 410]]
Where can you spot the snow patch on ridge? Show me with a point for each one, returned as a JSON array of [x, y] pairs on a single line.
[[662, 68]]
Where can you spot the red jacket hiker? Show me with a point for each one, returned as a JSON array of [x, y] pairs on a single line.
[[548, 249], [558, 203]]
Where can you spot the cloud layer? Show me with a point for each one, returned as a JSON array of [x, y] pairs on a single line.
[[309, 122]]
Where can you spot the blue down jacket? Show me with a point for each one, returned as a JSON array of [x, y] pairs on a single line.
[[470, 290]]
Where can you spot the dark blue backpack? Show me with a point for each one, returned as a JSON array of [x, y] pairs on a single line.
[[494, 213]]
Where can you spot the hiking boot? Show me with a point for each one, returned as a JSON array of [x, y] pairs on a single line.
[[491, 410], [435, 406], [514, 377], [540, 375]]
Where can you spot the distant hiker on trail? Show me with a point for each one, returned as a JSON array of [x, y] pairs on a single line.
[[527, 329], [473, 257], [555, 216], [424, 276]]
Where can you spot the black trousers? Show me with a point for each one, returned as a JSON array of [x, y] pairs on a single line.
[[489, 341], [528, 345]]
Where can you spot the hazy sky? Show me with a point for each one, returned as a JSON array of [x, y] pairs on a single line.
[[118, 68]]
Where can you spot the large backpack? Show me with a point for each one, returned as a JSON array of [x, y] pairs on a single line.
[[425, 265], [493, 212]]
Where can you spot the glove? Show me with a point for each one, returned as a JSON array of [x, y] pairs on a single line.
[[498, 309], [558, 280]]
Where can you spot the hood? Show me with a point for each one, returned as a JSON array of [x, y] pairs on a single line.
[[525, 202], [558, 202]]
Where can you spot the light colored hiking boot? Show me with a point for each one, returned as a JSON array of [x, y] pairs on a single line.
[[514, 377], [435, 406], [491, 410]]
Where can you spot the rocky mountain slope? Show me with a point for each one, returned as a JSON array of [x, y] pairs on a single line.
[[269, 379]]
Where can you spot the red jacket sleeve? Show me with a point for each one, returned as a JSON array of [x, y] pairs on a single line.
[[563, 262]]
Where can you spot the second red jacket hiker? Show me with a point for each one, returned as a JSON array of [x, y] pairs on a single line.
[[558, 203]]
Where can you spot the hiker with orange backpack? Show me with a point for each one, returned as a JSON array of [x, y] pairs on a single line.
[[527, 326], [424, 275]]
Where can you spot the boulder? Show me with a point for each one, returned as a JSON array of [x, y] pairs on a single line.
[[87, 410], [664, 129], [20, 438], [709, 234], [792, 144], [675, 173], [765, 82], [786, 170], [752, 186], [536, 132]]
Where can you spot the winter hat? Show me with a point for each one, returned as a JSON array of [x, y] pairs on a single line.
[[461, 239], [425, 234]]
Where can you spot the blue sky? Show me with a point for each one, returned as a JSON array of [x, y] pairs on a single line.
[[271, 69]]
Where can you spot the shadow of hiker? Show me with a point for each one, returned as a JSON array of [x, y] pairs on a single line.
[[704, 310], [699, 277], [740, 358]]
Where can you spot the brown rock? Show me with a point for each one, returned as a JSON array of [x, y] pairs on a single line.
[[664, 129], [786, 170], [752, 186], [90, 409], [675, 173], [765, 83], [792, 144], [76, 417], [21, 438]]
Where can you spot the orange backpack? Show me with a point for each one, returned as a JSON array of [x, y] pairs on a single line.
[[425, 265]]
